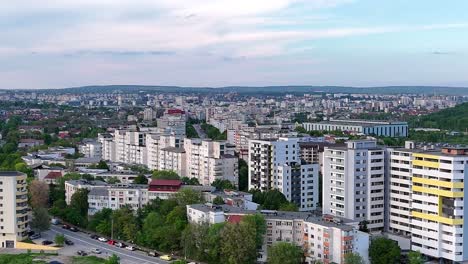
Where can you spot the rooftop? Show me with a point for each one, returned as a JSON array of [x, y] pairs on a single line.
[[11, 173]]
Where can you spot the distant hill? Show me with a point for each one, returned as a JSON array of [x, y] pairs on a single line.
[[455, 118], [273, 90]]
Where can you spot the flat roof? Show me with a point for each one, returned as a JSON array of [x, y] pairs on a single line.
[[357, 122], [11, 173]]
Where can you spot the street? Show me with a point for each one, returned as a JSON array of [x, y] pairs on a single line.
[[84, 242], [200, 131]]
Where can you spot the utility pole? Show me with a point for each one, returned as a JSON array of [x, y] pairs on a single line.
[[112, 228]]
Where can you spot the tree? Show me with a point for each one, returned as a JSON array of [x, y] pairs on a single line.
[[269, 200], [102, 165], [140, 179], [415, 257], [243, 175], [353, 258], [188, 196], [79, 201], [284, 253], [190, 181], [218, 200], [384, 251], [289, 207], [59, 240], [112, 180], [166, 175], [41, 220], [257, 221], [38, 194], [223, 185], [363, 226], [114, 259], [238, 244], [125, 226]]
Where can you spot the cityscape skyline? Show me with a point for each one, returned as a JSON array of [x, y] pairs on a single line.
[[199, 43]]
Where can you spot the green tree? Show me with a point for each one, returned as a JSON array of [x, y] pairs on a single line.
[[190, 181], [114, 259], [59, 240], [384, 251], [363, 226], [113, 180], [125, 225], [79, 202], [166, 175], [257, 221], [223, 185], [40, 220], [218, 200], [243, 175], [415, 257], [269, 200], [140, 179], [102, 165], [238, 244], [188, 196], [291, 207], [284, 253], [353, 258]]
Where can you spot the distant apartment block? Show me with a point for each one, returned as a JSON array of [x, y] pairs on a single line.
[[91, 148], [378, 128], [14, 209], [354, 182]]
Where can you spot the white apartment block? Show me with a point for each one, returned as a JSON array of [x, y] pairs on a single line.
[[426, 200], [276, 164], [91, 149], [323, 238], [14, 209], [208, 160], [354, 182]]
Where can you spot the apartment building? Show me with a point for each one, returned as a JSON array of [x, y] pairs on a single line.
[[159, 145], [426, 200], [276, 164], [325, 238], [354, 182], [14, 209], [91, 149], [209, 160], [173, 121], [378, 128]]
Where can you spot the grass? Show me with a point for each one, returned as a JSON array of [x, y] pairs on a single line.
[[24, 258], [87, 260]]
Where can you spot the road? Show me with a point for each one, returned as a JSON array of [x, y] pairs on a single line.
[[84, 242], [200, 131]]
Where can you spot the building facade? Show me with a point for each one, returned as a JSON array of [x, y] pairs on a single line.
[[378, 128]]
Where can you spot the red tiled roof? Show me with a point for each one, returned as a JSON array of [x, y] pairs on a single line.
[[159, 182], [234, 219], [53, 175]]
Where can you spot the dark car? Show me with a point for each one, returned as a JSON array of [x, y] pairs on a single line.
[[47, 242], [94, 236], [66, 227], [68, 242], [81, 253], [74, 229], [153, 254]]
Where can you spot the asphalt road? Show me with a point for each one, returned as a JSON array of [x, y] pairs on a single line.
[[200, 131], [84, 242]]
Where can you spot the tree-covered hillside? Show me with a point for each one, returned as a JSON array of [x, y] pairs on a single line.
[[455, 118]]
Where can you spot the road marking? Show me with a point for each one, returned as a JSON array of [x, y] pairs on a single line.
[[109, 249]]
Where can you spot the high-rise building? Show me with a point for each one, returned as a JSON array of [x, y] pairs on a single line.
[[276, 164], [426, 200], [354, 182], [14, 210]]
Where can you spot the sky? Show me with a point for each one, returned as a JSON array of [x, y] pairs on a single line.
[[214, 43]]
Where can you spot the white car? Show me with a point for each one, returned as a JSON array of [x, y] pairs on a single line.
[[96, 251], [131, 248], [102, 239]]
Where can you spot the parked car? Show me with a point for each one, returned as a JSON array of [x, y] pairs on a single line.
[[68, 242], [131, 248], [81, 253], [55, 221], [66, 227], [165, 257], [111, 242], [47, 242], [102, 239], [94, 236], [120, 245], [153, 254], [96, 251], [35, 236], [74, 229]]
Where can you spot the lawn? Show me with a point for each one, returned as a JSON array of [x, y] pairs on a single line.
[[87, 260], [21, 259]]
